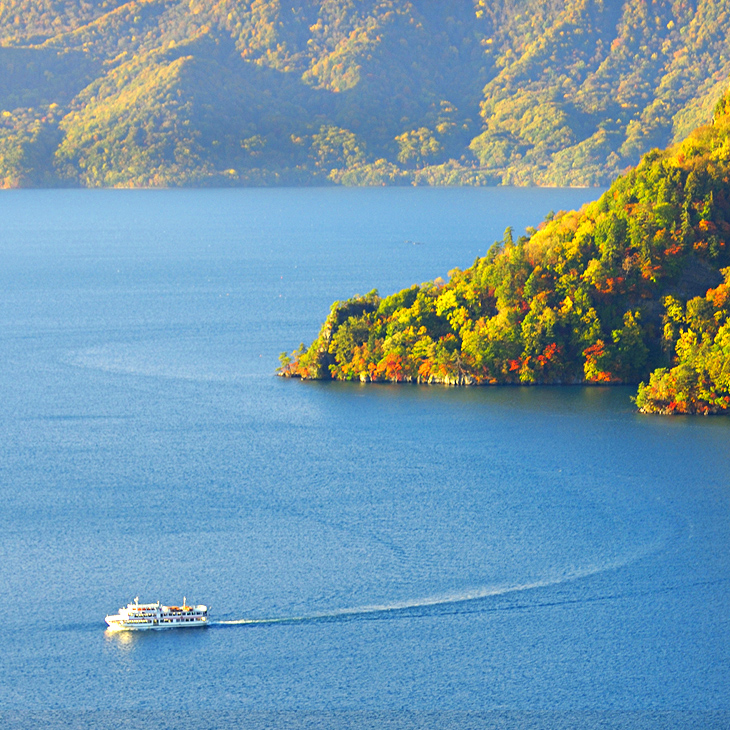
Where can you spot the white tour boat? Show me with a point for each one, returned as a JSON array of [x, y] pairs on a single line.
[[155, 616]]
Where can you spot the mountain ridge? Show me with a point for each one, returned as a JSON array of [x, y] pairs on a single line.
[[336, 92]]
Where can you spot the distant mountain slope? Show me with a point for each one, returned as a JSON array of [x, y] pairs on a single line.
[[204, 92], [638, 281]]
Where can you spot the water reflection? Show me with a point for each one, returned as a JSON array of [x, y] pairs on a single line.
[[122, 639]]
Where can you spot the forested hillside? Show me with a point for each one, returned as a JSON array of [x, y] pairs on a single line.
[[227, 92], [638, 281]]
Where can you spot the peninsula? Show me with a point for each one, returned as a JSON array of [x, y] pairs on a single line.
[[632, 288]]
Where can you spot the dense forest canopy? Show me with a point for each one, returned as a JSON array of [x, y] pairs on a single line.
[[233, 92], [634, 286]]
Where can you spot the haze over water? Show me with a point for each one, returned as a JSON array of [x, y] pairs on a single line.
[[415, 557]]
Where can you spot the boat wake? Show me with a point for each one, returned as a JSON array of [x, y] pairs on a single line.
[[433, 602]]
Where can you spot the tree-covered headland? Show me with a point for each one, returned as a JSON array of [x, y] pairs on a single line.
[[634, 287]]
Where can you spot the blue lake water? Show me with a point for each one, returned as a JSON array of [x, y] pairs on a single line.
[[418, 557]]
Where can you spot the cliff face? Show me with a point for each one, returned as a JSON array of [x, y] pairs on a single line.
[[166, 92], [633, 283]]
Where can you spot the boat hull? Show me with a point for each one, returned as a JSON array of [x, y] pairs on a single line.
[[139, 626]]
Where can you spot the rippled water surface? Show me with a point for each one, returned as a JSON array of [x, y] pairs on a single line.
[[413, 557]]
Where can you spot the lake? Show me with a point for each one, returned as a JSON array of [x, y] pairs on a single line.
[[414, 556]]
